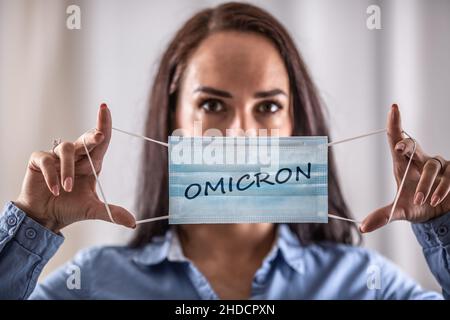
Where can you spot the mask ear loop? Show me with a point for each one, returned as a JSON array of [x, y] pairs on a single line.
[[102, 193], [400, 188], [97, 180]]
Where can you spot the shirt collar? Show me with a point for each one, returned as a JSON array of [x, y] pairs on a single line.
[[158, 249], [168, 247]]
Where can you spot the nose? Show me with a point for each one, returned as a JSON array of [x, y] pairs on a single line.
[[242, 123]]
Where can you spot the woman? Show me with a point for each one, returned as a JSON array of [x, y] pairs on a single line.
[[210, 72]]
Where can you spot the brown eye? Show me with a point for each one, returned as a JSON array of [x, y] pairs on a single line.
[[268, 107], [212, 106]]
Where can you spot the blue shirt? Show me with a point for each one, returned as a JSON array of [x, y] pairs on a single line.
[[159, 270]]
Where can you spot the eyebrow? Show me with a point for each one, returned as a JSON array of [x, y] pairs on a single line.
[[226, 94], [214, 91], [270, 93]]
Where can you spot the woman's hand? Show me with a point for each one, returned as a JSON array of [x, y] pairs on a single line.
[[425, 193], [59, 187]]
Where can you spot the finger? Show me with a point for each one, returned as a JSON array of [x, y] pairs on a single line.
[[120, 215], [84, 167], [427, 178], [104, 125], [394, 130], [65, 151], [405, 148], [92, 138], [378, 218], [443, 188], [45, 162]]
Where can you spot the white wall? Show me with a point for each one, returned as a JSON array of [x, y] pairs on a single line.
[[53, 79]]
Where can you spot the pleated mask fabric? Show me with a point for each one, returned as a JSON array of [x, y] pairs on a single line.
[[248, 179]]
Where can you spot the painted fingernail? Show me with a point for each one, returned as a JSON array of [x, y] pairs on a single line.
[[55, 190], [435, 200], [393, 113], [400, 147], [68, 183], [418, 199], [103, 106]]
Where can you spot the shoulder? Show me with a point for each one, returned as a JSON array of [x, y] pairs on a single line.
[[104, 258], [102, 253], [368, 268], [352, 259], [122, 257], [332, 250]]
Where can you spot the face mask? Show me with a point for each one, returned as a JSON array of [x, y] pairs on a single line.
[[248, 179]]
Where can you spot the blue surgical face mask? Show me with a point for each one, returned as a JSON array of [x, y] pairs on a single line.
[[248, 179]]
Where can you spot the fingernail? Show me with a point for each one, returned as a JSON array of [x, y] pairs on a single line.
[[55, 190], [68, 183], [103, 106], [418, 199], [361, 229], [435, 200], [400, 147], [393, 113]]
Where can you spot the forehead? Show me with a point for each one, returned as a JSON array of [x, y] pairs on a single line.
[[237, 61]]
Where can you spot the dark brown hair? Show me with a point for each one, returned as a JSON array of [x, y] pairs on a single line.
[[308, 114]]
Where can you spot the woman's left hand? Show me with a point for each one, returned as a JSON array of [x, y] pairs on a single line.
[[425, 193]]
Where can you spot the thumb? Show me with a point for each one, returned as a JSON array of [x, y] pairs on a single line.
[[376, 219], [119, 214]]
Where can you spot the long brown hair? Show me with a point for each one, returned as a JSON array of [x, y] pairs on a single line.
[[309, 118]]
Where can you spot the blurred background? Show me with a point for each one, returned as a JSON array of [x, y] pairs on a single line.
[[52, 81]]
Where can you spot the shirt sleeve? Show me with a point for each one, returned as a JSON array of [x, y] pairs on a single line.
[[434, 237], [25, 248]]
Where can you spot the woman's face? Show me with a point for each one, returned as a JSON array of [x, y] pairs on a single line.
[[235, 80]]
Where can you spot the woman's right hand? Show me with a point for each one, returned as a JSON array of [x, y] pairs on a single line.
[[59, 187]]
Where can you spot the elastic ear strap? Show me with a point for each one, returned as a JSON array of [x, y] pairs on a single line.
[[102, 194], [400, 188], [357, 137], [152, 219], [333, 216], [142, 137], [98, 181]]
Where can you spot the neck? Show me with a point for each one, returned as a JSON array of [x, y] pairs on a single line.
[[250, 240]]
